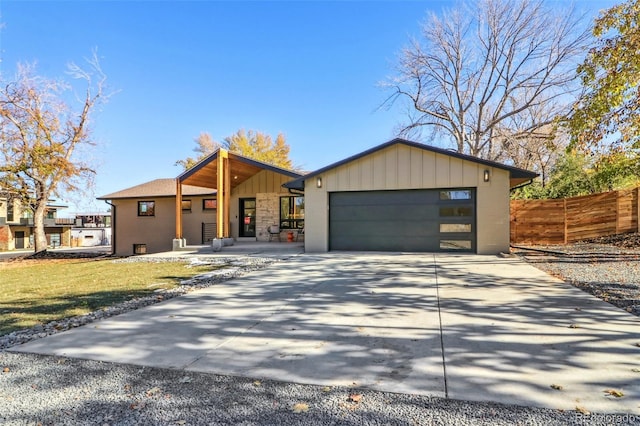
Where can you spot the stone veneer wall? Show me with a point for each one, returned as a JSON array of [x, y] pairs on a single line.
[[267, 213]]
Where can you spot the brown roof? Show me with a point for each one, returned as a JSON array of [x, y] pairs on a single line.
[[157, 188]]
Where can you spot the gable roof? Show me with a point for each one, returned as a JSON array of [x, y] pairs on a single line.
[[204, 172], [517, 175], [157, 188]]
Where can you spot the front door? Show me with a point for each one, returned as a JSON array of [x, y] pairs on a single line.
[[247, 217], [19, 239]]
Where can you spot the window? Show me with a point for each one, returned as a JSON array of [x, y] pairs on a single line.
[[456, 211], [455, 195], [455, 227], [186, 205], [10, 210], [209, 204], [51, 214], [146, 208], [455, 245], [291, 212]]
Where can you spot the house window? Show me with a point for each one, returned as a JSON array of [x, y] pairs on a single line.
[[209, 204], [51, 214], [146, 208], [10, 211], [291, 212], [186, 205]]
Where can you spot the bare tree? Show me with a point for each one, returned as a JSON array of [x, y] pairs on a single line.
[[41, 137], [479, 67]]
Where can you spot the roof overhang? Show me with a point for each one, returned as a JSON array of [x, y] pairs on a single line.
[[517, 176], [204, 173]]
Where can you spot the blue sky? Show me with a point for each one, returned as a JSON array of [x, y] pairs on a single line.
[[308, 69]]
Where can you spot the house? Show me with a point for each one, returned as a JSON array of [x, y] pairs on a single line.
[[143, 217], [168, 213], [406, 196], [398, 196], [91, 230], [17, 228]]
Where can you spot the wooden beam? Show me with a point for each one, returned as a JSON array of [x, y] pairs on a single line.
[[227, 197], [178, 209], [220, 204]]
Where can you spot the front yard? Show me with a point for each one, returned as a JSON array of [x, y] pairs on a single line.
[[37, 291]]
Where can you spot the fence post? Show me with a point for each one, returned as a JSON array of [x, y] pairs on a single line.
[[638, 208], [564, 219], [617, 212]]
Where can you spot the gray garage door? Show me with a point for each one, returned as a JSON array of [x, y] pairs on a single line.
[[407, 220]]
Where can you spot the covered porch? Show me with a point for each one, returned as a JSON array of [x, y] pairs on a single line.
[[248, 197]]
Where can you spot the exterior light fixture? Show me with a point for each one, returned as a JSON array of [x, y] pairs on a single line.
[[319, 182], [486, 175]]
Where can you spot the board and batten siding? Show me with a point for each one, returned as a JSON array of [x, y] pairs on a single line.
[[404, 167], [263, 182]]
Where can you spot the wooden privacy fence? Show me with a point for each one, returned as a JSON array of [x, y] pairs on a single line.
[[573, 219]]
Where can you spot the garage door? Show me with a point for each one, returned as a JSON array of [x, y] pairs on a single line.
[[407, 220]]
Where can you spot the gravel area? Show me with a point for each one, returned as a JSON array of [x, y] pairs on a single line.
[[49, 390], [607, 271], [62, 391]]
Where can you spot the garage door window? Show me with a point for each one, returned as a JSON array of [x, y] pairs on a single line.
[[455, 245], [456, 211], [455, 195], [455, 227]]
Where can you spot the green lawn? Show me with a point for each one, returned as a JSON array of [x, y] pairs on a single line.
[[36, 292]]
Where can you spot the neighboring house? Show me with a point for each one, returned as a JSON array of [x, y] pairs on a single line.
[[91, 230], [17, 230], [398, 196]]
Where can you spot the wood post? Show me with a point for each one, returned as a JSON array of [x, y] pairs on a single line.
[[220, 193], [566, 228], [227, 196], [178, 209]]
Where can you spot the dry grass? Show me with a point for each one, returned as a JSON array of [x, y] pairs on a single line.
[[38, 291]]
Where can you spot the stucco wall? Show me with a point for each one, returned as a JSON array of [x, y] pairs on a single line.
[[403, 167], [158, 231]]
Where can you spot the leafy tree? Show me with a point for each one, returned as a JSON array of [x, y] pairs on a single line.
[[570, 177], [260, 147], [252, 144], [607, 116], [206, 146], [42, 138], [481, 68], [575, 174]]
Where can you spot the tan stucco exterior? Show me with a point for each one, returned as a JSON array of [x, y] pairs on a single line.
[[157, 231], [405, 167]]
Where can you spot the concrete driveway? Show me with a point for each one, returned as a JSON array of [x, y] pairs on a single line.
[[458, 326]]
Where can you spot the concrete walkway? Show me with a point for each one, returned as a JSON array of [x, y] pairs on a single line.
[[459, 326]]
